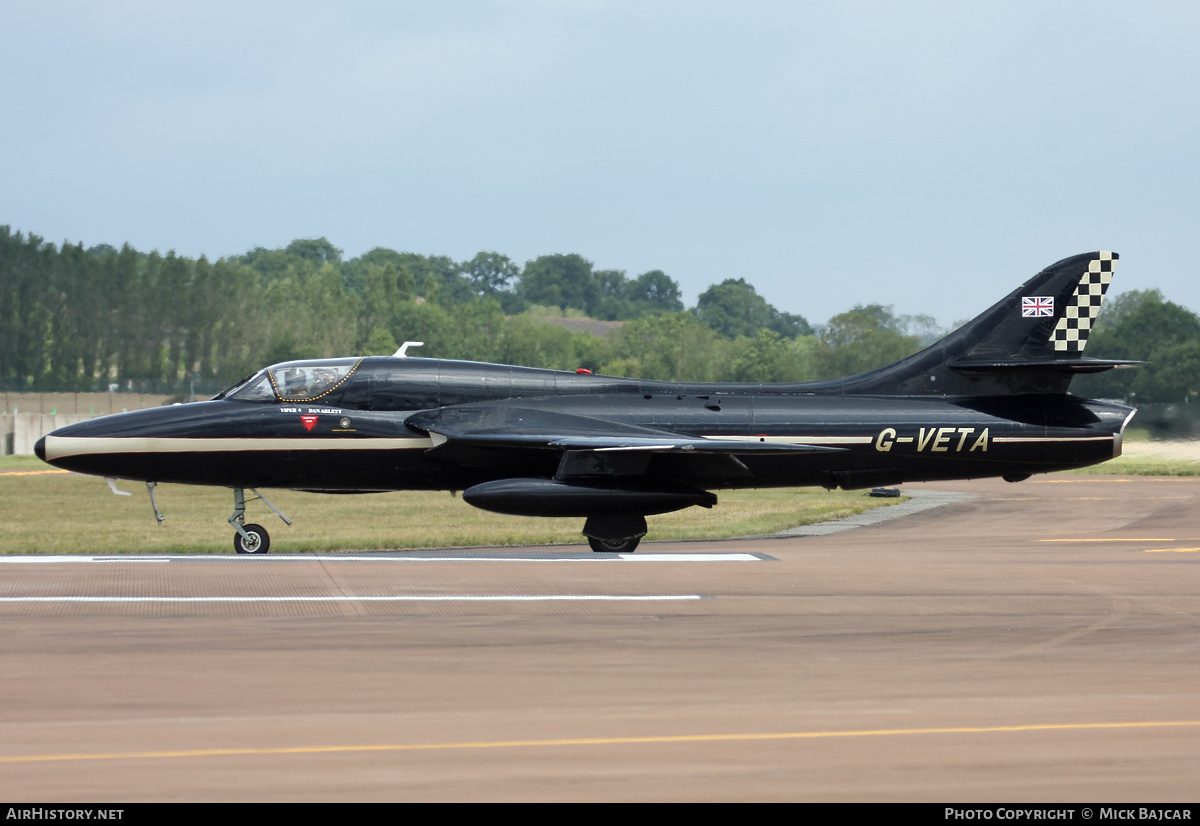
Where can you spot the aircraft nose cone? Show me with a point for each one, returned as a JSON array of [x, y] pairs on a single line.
[[39, 448]]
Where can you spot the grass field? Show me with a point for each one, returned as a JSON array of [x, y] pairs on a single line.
[[1142, 457], [60, 513]]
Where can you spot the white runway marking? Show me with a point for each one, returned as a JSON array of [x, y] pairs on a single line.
[[430, 557], [413, 598], [689, 557]]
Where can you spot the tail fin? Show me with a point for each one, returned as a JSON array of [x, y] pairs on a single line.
[[1030, 342]]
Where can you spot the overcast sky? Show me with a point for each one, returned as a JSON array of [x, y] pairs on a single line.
[[930, 156]]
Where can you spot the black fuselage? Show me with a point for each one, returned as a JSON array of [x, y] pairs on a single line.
[[356, 438]]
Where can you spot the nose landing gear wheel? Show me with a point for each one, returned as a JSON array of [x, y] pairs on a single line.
[[256, 540], [250, 539]]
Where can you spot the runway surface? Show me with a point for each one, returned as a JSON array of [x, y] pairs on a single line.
[[1033, 642]]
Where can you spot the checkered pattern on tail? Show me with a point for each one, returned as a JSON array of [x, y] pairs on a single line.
[[1079, 313]]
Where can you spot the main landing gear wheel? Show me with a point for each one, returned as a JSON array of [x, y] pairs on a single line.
[[614, 534], [614, 546], [256, 540]]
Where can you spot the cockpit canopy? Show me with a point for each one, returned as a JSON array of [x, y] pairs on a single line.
[[408, 384], [297, 381]]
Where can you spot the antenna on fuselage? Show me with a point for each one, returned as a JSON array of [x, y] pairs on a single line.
[[402, 353]]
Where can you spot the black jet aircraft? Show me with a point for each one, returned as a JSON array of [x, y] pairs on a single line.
[[990, 399]]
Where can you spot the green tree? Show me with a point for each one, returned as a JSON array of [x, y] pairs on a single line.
[[1172, 376], [1142, 326], [272, 264], [860, 340], [490, 273], [559, 280], [379, 343], [612, 302], [379, 298], [354, 271], [533, 343], [317, 251], [239, 339], [734, 308], [654, 293], [770, 358], [673, 347], [406, 284]]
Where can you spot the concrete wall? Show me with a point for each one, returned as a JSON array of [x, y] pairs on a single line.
[[26, 417], [19, 431], [91, 404]]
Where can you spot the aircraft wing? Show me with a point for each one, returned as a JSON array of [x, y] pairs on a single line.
[[586, 446]]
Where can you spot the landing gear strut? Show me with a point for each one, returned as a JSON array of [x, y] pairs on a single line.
[[158, 517], [250, 539], [615, 534]]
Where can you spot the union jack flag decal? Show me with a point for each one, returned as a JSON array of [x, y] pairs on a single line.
[[1037, 306]]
